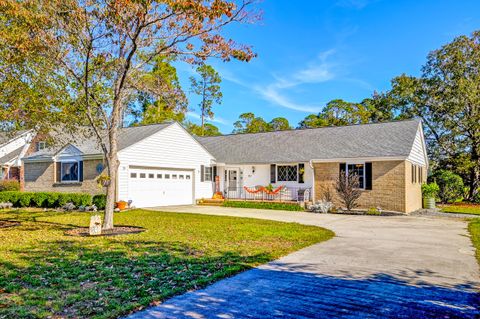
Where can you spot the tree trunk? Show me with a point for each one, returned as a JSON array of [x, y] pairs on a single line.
[[474, 179], [112, 168]]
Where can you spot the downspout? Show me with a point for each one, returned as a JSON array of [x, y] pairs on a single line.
[[310, 163]]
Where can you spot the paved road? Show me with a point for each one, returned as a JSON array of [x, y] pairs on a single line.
[[375, 267]]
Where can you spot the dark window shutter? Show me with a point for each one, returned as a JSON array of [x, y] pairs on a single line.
[[368, 175], [202, 173], [58, 169], [343, 168], [273, 173], [214, 173], [301, 175], [80, 171]]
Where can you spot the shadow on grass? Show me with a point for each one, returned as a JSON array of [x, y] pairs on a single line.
[[293, 293], [106, 279]]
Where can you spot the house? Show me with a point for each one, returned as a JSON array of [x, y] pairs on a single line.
[[12, 148], [390, 159], [159, 165], [164, 165]]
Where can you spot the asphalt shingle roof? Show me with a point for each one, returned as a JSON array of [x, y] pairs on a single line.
[[88, 144], [10, 156], [389, 139]]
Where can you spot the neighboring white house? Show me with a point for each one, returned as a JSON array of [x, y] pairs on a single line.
[[12, 149]]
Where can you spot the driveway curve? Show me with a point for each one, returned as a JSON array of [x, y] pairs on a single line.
[[375, 267]]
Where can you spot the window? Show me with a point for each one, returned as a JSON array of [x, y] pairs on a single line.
[[69, 172], [159, 175], [359, 170], [287, 173], [174, 176], [151, 175], [420, 174], [208, 174], [167, 176], [41, 145], [187, 176], [142, 175], [414, 173], [133, 175], [181, 176]]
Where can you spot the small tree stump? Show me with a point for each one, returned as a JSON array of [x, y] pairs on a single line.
[[95, 225]]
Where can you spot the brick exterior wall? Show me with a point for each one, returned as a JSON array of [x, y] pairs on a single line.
[[391, 190], [40, 176]]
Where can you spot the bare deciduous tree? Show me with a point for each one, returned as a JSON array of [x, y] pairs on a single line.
[[347, 187]]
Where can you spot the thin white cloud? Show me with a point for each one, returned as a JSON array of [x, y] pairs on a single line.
[[355, 4], [216, 119], [318, 71]]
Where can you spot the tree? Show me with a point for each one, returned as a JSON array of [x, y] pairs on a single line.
[[347, 187], [96, 54], [169, 104], [208, 130], [339, 112], [447, 97], [279, 124], [249, 123], [207, 86], [450, 184]]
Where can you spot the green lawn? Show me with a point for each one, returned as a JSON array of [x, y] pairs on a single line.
[[474, 229], [462, 208], [44, 273]]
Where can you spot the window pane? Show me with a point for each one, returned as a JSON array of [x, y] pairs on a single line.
[[208, 173], [174, 176], [167, 176], [159, 175], [133, 175], [151, 175], [287, 173], [142, 175], [70, 171], [187, 176], [357, 169], [181, 176]]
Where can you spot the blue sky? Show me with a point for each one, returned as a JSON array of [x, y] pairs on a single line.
[[310, 52]]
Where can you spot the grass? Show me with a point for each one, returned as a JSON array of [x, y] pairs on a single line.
[[44, 273], [263, 205], [474, 229], [461, 208]]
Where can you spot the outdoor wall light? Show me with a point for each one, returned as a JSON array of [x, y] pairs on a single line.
[[253, 169]]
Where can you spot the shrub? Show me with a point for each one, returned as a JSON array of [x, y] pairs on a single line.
[[24, 199], [40, 199], [45, 199], [100, 201], [263, 205], [347, 187], [8, 186], [450, 184], [430, 190], [373, 211]]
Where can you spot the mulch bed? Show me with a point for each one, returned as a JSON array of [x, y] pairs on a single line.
[[119, 230], [8, 223]]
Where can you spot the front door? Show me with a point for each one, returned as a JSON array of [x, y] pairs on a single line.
[[231, 183]]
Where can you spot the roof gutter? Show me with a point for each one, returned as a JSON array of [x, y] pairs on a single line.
[[359, 159]]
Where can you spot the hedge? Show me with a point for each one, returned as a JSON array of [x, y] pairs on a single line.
[[263, 205], [45, 199], [100, 201]]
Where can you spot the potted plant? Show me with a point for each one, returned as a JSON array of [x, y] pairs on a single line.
[[429, 192], [121, 205]]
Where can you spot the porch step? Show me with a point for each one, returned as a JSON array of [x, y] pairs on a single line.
[[210, 202]]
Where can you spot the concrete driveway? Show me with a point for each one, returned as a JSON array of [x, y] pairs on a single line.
[[375, 267]]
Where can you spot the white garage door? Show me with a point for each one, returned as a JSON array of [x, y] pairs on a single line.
[[160, 187]]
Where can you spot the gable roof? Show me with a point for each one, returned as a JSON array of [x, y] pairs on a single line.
[[11, 156], [391, 139], [6, 137], [87, 143]]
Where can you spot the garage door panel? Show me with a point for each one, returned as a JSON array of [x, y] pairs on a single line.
[[160, 187]]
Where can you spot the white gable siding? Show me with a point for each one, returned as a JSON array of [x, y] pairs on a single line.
[[171, 147], [418, 153], [14, 144]]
